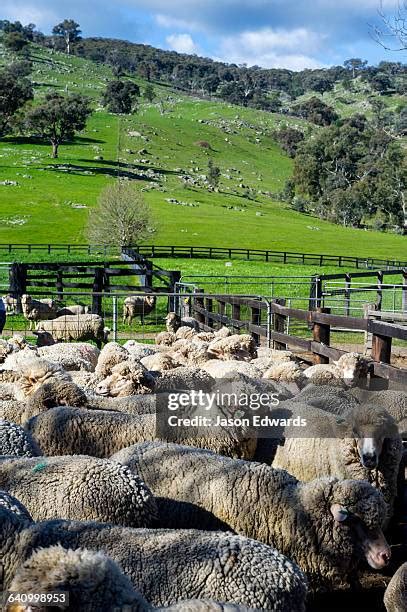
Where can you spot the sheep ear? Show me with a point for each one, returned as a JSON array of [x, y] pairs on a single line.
[[340, 513]]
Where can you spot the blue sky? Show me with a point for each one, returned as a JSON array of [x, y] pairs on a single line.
[[292, 34]]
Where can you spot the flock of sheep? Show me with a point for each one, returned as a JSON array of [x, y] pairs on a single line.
[[95, 501]]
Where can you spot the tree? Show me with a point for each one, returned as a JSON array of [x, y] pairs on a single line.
[[316, 111], [149, 93], [15, 41], [122, 217], [58, 118], [120, 96], [289, 139], [392, 34], [355, 65], [15, 91], [214, 173], [69, 31]]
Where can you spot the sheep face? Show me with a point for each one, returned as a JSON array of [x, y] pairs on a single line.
[[358, 514], [172, 322], [126, 379], [353, 367], [44, 338], [371, 426]]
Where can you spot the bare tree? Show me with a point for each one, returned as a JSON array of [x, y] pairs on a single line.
[[392, 34], [121, 218]]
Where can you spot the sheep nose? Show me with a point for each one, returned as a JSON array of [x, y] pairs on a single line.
[[369, 460], [384, 556]]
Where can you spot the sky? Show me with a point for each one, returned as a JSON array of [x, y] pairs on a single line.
[[293, 34]]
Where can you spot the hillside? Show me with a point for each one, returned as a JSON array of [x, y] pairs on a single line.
[[157, 147]]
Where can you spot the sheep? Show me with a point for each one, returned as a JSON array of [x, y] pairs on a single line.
[[79, 431], [173, 322], [73, 328], [138, 350], [90, 580], [331, 399], [110, 355], [190, 353], [159, 362], [166, 338], [395, 402], [326, 526], [221, 369], [184, 378], [35, 373], [93, 582], [73, 309], [185, 333], [285, 371], [17, 359], [80, 487], [239, 347], [167, 566], [364, 445], [5, 349], [10, 303], [16, 442], [127, 378], [72, 356], [13, 505], [138, 306], [223, 332], [395, 597], [349, 370], [37, 310]]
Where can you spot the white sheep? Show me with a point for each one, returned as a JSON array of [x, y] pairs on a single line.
[[140, 306], [37, 310], [349, 370], [73, 328]]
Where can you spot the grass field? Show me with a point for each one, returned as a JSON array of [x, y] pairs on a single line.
[[155, 148]]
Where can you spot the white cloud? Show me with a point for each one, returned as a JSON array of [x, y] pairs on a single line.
[[273, 48], [182, 43], [28, 13], [166, 21]]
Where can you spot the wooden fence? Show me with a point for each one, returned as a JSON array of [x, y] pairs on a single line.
[[210, 312], [95, 278]]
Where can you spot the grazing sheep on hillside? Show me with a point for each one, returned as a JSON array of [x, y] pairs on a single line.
[[72, 356], [37, 310], [350, 369], [138, 306], [93, 582], [173, 322], [313, 523], [16, 442], [364, 445], [239, 347], [395, 597], [167, 566], [127, 378], [72, 328], [82, 488], [76, 431]]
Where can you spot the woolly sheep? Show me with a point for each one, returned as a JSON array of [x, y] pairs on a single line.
[[239, 347], [220, 369], [395, 402], [138, 350], [167, 566], [13, 505], [166, 338], [5, 349], [173, 322], [159, 362], [16, 442], [74, 328], [37, 310], [82, 488], [138, 306], [395, 597], [364, 445], [326, 526], [285, 371], [184, 378], [73, 309], [93, 582], [127, 378], [17, 359], [185, 333], [331, 399], [72, 431], [110, 355], [189, 353], [35, 373], [349, 370], [72, 356]]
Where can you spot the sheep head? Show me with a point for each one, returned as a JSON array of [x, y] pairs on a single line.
[[371, 426], [352, 367], [44, 338], [172, 322], [127, 378]]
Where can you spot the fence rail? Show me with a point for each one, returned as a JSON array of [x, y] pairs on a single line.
[[211, 252]]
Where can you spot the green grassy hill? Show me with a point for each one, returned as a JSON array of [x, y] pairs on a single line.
[[48, 200]]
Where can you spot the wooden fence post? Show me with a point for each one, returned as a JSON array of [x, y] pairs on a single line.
[[18, 282], [236, 314], [60, 284], [256, 320], [175, 277], [404, 292], [279, 325], [209, 308], [321, 332], [199, 301], [98, 286], [221, 310], [381, 353]]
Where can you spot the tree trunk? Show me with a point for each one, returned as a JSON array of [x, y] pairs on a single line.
[[55, 146]]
